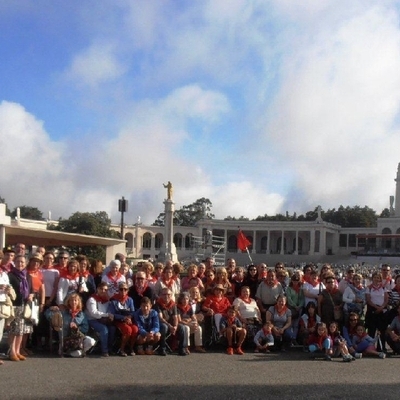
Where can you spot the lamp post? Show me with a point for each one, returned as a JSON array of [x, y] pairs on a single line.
[[122, 207]]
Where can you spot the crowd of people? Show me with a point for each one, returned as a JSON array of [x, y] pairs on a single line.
[[160, 308]]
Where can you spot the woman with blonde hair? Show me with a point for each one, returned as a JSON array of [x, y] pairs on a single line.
[[221, 278]]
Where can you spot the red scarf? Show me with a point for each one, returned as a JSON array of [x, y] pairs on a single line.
[[163, 304], [313, 284], [85, 274], [140, 289], [122, 297], [231, 320], [74, 312], [113, 279], [282, 311], [184, 309], [168, 284], [375, 288], [66, 275], [311, 321], [99, 299], [247, 301]]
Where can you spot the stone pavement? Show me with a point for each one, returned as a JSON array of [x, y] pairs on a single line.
[[200, 376]]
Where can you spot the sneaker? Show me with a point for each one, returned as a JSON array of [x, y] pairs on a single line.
[[382, 355], [229, 351], [131, 353], [358, 355], [121, 353], [239, 351], [105, 355], [347, 358], [328, 358]]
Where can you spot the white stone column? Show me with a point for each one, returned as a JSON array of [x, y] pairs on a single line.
[[312, 242], [268, 251], [253, 251], [282, 242], [296, 250], [322, 241], [168, 250]]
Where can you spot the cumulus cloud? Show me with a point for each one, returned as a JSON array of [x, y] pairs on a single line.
[[95, 65], [335, 115], [260, 106]]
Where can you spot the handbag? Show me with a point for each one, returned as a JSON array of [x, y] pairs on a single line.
[[34, 312], [27, 311], [6, 308], [74, 341]]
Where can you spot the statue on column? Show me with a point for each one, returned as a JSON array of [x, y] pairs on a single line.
[[170, 190]]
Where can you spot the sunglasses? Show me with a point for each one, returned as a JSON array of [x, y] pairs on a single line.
[[139, 279], [123, 290]]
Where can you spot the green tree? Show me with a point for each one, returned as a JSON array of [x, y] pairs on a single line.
[[28, 213], [97, 224], [385, 213], [189, 215]]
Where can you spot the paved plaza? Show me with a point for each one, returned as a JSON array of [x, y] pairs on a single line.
[[200, 376]]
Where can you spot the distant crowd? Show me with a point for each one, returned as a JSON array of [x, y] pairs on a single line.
[[86, 308]]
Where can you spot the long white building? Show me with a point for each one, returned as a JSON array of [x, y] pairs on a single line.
[[272, 241]]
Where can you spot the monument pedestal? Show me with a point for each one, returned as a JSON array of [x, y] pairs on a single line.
[[168, 249]]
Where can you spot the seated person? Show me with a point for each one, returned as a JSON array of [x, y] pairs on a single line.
[[247, 308], [121, 306], [264, 338], [393, 333], [232, 329], [216, 305], [168, 315], [365, 344], [140, 289], [281, 318], [187, 318], [319, 341], [75, 326], [308, 324], [148, 324], [100, 320]]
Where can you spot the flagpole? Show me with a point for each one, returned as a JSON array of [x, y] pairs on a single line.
[[248, 253]]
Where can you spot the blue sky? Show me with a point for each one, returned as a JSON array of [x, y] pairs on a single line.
[[261, 106]]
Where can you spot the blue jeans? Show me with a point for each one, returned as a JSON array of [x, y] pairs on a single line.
[[106, 333], [164, 329], [326, 345]]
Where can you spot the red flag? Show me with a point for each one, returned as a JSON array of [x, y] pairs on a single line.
[[242, 241]]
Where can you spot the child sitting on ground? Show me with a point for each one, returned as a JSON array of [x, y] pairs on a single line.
[[365, 344], [264, 338], [232, 329], [320, 341], [338, 343]]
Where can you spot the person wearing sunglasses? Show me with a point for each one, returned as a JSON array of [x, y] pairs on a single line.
[[140, 288], [122, 308]]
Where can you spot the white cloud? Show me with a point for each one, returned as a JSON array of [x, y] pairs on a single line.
[[335, 114], [95, 65]]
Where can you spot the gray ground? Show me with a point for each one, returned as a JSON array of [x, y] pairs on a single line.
[[200, 376]]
